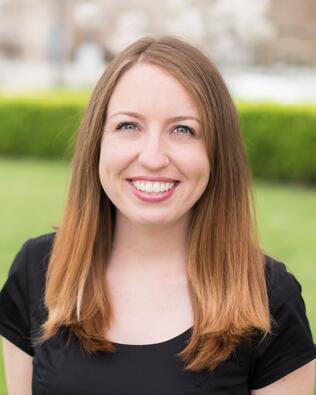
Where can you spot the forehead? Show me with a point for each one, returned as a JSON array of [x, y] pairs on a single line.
[[149, 87]]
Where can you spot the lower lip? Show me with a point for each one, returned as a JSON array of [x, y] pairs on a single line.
[[152, 198]]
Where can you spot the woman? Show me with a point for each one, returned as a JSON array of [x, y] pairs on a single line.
[[154, 282]]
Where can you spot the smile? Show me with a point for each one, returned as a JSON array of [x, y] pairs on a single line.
[[153, 187], [152, 191]]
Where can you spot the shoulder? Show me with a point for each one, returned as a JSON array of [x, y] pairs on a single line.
[[282, 285], [32, 252], [274, 269], [40, 246], [38, 252], [32, 257], [289, 345], [22, 307], [36, 259]]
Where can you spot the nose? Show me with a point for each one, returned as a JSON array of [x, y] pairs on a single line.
[[152, 151]]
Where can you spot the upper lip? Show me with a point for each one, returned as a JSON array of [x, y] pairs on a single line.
[[147, 178]]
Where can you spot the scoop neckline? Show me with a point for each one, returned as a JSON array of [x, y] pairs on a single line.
[[151, 345]]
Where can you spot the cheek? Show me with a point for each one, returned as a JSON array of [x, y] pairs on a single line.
[[113, 156], [201, 175], [106, 163], [198, 167], [204, 165]]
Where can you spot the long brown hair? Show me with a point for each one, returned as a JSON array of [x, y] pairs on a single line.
[[225, 264]]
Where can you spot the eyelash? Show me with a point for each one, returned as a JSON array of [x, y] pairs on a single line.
[[120, 126]]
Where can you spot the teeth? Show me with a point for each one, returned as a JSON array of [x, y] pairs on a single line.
[[153, 187]]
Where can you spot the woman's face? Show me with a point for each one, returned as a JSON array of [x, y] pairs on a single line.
[[152, 130]]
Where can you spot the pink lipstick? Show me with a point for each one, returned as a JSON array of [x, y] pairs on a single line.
[[145, 197]]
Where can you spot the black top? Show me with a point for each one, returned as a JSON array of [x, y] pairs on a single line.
[[154, 368]]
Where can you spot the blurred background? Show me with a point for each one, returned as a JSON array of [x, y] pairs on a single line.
[[265, 48], [52, 52]]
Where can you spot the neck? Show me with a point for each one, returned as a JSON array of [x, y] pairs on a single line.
[[150, 249]]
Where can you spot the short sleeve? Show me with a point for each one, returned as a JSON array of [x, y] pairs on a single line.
[[14, 303], [290, 344]]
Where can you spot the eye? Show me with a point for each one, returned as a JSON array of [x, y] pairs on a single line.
[[126, 126], [185, 129]]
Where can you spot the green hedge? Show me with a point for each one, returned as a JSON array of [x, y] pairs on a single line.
[[40, 126], [280, 140]]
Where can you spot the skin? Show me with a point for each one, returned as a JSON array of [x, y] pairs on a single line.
[[150, 236], [18, 369], [152, 232]]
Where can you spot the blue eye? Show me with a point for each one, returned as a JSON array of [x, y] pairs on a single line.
[[132, 126], [121, 126], [185, 128]]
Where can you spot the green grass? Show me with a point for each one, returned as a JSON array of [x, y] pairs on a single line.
[[33, 192], [32, 195], [287, 228]]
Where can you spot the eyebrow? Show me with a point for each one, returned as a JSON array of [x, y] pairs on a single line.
[[139, 116]]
